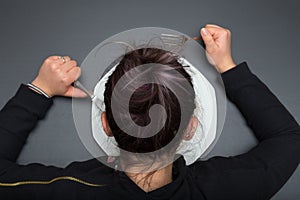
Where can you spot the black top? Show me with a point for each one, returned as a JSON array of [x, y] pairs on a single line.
[[257, 174]]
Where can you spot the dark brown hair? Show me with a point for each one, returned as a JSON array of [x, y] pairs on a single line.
[[148, 95]]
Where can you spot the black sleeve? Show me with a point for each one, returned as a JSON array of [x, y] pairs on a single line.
[[17, 119], [261, 172]]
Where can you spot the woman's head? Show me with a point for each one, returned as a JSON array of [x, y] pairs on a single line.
[[146, 96]]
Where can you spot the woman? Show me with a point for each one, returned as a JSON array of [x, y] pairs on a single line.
[[257, 174]]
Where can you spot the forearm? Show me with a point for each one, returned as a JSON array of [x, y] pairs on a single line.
[[263, 112], [277, 154], [17, 119]]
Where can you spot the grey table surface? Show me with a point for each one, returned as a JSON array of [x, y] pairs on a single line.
[[264, 33]]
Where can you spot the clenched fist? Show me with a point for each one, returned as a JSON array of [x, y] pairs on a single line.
[[218, 47], [56, 76]]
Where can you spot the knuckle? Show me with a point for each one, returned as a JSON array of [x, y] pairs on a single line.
[[48, 60], [227, 31], [50, 57], [53, 66], [73, 62], [67, 57]]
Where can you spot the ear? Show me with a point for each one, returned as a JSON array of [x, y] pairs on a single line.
[[191, 129], [105, 125]]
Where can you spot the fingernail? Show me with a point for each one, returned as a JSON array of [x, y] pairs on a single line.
[[204, 31]]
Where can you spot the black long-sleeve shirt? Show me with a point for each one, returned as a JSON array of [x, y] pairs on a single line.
[[257, 174]]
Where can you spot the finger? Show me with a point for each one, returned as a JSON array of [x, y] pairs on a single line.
[[73, 75], [212, 25], [215, 31], [67, 58], [75, 92], [53, 57], [59, 61], [218, 31], [208, 39], [66, 67]]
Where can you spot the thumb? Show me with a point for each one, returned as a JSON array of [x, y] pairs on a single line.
[[75, 92], [208, 40]]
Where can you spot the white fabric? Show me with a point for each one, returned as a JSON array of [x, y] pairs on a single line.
[[205, 111]]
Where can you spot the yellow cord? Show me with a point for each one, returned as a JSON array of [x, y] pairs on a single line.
[[69, 178]]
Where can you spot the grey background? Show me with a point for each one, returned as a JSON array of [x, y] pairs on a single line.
[[264, 33]]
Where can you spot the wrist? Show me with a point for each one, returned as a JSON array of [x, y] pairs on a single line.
[[226, 65], [39, 88]]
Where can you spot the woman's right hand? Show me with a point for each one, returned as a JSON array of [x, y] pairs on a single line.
[[56, 76], [218, 47]]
